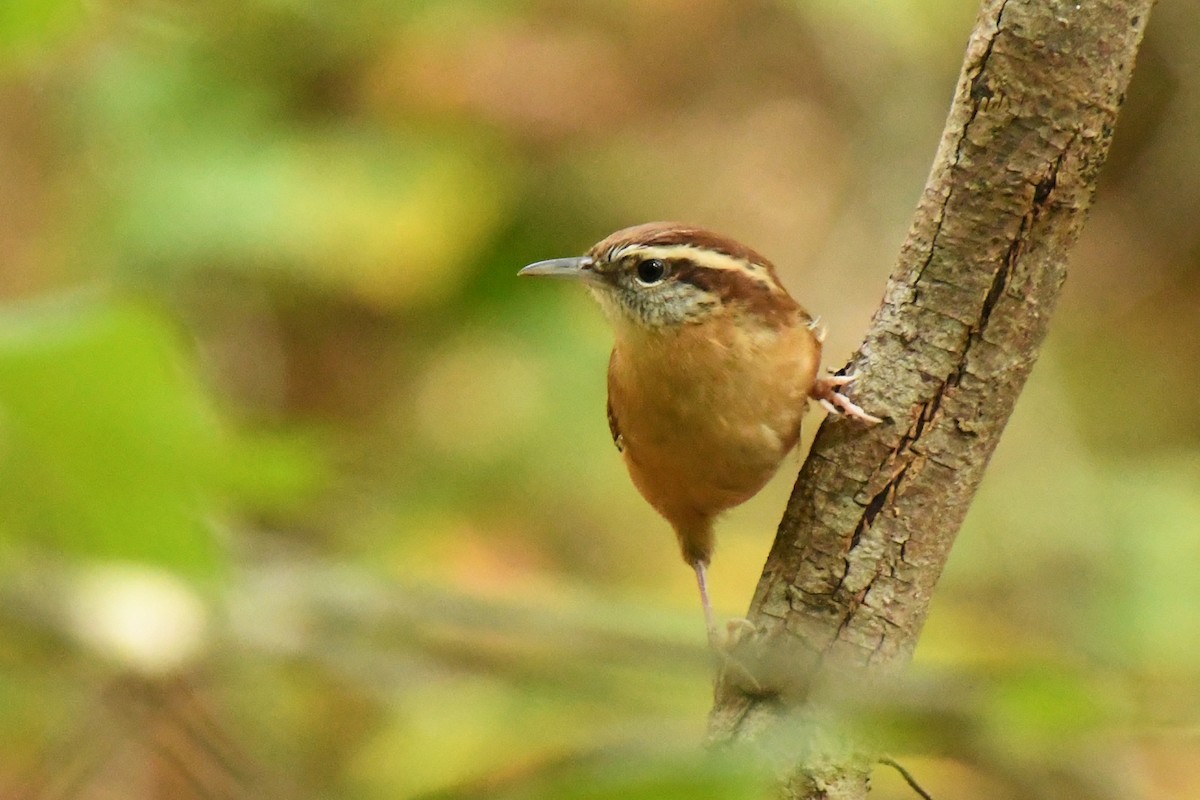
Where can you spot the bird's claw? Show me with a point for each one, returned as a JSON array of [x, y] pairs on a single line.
[[736, 631], [825, 391], [733, 666]]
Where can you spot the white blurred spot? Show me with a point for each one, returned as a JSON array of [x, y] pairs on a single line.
[[141, 617]]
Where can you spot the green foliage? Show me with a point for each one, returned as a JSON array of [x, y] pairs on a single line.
[[30, 27], [110, 449], [261, 343], [109, 446], [636, 775]]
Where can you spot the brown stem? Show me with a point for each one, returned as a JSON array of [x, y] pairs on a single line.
[[869, 526]]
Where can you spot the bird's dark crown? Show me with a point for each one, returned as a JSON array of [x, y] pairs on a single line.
[[664, 273]]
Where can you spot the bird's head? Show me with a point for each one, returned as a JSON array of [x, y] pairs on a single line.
[[664, 274]]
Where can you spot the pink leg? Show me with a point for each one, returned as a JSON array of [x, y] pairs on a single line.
[[702, 582]]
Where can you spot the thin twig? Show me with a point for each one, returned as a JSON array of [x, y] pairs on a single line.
[[908, 778]]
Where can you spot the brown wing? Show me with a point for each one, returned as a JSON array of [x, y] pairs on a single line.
[[615, 429], [613, 426]]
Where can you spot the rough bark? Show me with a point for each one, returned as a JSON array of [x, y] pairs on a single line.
[[869, 526]]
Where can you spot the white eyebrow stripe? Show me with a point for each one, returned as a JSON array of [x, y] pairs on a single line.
[[709, 259]]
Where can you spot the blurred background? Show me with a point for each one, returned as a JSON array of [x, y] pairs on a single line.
[[302, 494]]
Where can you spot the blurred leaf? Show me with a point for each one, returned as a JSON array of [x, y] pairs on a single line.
[[27, 26], [390, 217], [657, 770], [645, 775], [108, 447], [269, 471], [1041, 706], [392, 222], [1151, 615]]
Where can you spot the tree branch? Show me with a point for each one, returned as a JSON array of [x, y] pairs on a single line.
[[869, 526]]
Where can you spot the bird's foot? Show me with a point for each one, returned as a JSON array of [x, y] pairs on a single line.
[[734, 670], [825, 391], [736, 631]]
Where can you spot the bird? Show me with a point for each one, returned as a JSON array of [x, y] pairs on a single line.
[[712, 367]]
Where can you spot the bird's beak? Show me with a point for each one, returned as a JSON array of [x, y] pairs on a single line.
[[578, 268]]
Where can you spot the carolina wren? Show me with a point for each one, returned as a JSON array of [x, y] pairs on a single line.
[[710, 373]]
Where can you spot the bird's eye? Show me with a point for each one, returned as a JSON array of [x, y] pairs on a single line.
[[651, 271]]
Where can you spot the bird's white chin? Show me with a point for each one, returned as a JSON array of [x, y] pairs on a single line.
[[650, 312]]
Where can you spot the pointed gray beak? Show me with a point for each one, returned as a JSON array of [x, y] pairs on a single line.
[[578, 268]]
